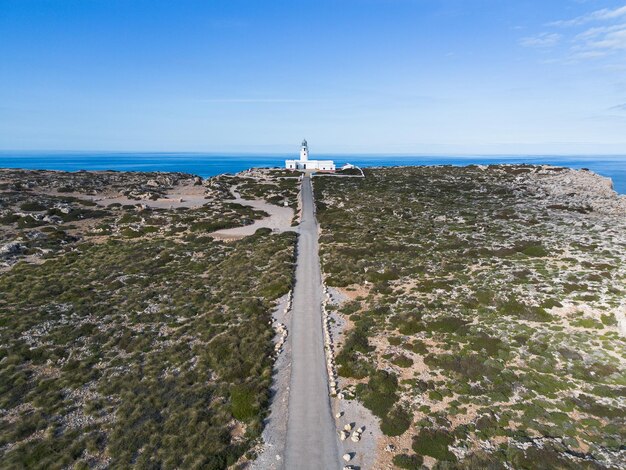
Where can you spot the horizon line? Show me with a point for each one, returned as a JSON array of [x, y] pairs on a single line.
[[338, 154]]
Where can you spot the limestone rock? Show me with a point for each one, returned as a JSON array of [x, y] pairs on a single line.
[[11, 249]]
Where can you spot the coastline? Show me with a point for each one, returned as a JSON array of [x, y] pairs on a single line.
[[210, 164]]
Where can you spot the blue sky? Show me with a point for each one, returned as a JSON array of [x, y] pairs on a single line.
[[397, 76]]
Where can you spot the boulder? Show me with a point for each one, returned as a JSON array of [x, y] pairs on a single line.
[[11, 249]]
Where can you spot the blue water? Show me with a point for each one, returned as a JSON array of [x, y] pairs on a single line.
[[205, 164]]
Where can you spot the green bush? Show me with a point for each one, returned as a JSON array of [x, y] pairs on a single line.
[[243, 402], [409, 462], [402, 361], [535, 251], [379, 394], [396, 422], [32, 206], [434, 443]]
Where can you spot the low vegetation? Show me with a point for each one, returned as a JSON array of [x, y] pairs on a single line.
[[128, 336], [483, 315]]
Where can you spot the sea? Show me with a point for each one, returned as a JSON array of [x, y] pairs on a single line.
[[211, 164]]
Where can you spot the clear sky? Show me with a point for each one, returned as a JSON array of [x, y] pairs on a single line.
[[398, 76]]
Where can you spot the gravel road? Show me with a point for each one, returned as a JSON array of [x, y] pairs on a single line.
[[311, 432]]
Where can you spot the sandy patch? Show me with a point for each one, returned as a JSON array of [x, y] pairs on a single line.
[[279, 219], [183, 195], [186, 195]]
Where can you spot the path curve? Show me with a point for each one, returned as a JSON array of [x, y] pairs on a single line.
[[311, 431], [279, 219]]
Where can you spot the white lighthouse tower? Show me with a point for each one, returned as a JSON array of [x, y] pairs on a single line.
[[304, 152], [305, 164]]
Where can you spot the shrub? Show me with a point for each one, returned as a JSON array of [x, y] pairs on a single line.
[[514, 307], [411, 326], [396, 422], [402, 361], [537, 251], [32, 206], [348, 360], [409, 462], [130, 233], [379, 395], [243, 402], [29, 222], [434, 443]]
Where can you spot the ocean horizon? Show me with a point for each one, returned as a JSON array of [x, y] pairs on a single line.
[[212, 164]]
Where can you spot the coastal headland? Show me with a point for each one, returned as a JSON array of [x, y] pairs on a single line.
[[462, 317]]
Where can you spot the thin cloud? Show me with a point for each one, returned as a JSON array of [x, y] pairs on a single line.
[[600, 31], [597, 41], [582, 55], [541, 40], [619, 107], [598, 15], [615, 40]]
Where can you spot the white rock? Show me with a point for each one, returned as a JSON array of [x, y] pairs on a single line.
[[620, 316], [347, 457]]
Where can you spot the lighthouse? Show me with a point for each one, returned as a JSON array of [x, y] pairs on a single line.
[[305, 164], [304, 152]]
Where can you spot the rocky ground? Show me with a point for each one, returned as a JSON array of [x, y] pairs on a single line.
[[485, 313], [474, 318], [46, 212], [128, 335]]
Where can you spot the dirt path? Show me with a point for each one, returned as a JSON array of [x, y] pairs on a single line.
[[311, 432], [279, 219], [182, 195]]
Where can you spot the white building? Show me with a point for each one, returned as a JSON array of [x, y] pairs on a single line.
[[305, 164]]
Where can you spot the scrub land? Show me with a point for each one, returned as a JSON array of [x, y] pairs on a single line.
[[485, 317], [129, 336]]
